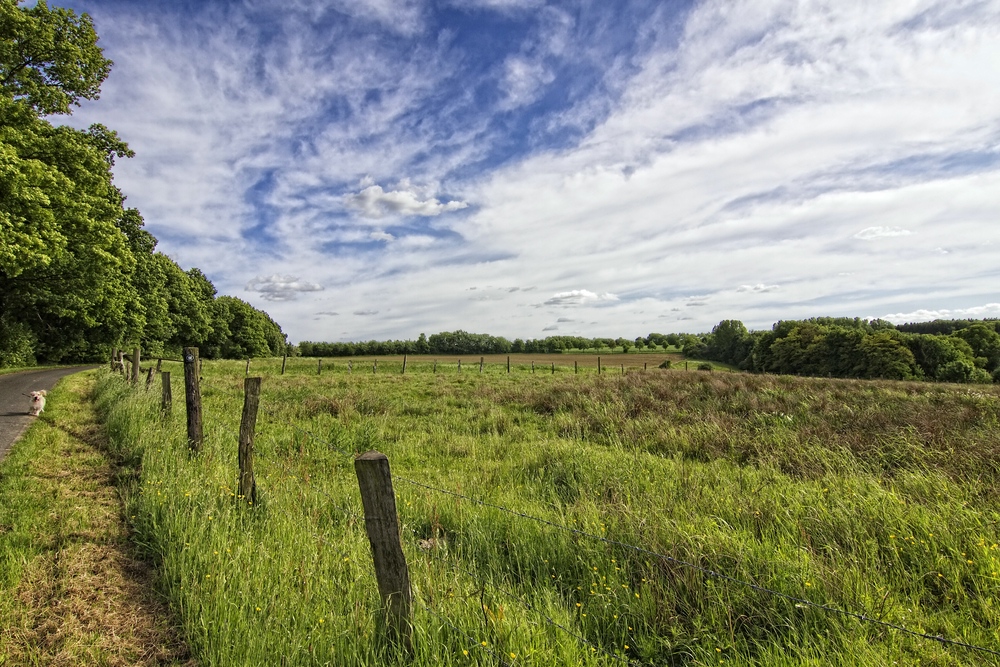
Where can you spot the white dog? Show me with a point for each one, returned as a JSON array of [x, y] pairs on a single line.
[[37, 403]]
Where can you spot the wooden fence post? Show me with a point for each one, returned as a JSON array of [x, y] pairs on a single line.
[[350, 365], [248, 368], [114, 357], [598, 365], [532, 365], [135, 365], [404, 364], [435, 365], [166, 401], [149, 377], [508, 364], [381, 524], [575, 369], [319, 366], [481, 365], [284, 360], [623, 369], [553, 368], [459, 365], [375, 366], [251, 400], [192, 399]]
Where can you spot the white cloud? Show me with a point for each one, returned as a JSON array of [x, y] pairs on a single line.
[[523, 80], [578, 297], [281, 288], [924, 315], [870, 233], [744, 142], [376, 203]]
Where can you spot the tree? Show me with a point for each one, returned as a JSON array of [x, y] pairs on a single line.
[[49, 58], [65, 265], [985, 343]]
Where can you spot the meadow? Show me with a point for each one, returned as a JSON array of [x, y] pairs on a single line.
[[647, 517]]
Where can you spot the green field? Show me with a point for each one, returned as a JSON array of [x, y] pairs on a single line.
[[663, 494]]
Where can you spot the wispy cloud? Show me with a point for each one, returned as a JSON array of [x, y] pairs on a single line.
[[405, 150], [578, 297], [759, 288], [374, 202], [281, 288], [869, 233]]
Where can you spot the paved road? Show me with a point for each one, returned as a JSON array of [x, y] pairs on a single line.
[[14, 417]]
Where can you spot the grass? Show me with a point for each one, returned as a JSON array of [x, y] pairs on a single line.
[[71, 590], [876, 498]]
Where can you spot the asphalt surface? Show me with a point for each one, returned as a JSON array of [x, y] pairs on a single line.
[[14, 404]]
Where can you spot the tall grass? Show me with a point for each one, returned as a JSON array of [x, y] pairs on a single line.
[[873, 498]]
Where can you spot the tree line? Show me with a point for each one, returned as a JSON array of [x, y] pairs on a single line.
[[78, 272], [463, 342], [944, 350]]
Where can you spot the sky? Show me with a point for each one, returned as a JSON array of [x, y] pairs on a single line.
[[377, 169]]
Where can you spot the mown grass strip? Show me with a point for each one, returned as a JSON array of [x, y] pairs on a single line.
[[72, 591]]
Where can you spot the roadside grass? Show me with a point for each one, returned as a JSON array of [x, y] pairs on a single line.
[[874, 498], [71, 591]]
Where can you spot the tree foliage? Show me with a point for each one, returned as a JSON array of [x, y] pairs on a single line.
[[78, 272]]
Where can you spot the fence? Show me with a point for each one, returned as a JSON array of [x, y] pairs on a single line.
[[385, 535]]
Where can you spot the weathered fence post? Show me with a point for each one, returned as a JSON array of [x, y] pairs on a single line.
[[381, 524], [553, 368], [481, 365], [149, 377], [375, 366], [251, 399], [350, 365], [166, 401], [192, 399], [284, 360], [319, 366], [114, 357], [685, 365], [404, 364], [248, 368], [598, 365], [508, 364], [623, 369], [135, 365], [644, 365], [575, 369], [532, 365], [459, 365], [435, 365]]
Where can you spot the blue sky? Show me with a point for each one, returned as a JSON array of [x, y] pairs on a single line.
[[380, 168]]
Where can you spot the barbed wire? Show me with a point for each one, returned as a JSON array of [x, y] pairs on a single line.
[[524, 603], [798, 601], [476, 644], [707, 571]]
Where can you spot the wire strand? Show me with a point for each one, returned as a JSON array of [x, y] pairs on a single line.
[[709, 572]]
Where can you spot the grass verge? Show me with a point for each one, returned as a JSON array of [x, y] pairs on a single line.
[[72, 591]]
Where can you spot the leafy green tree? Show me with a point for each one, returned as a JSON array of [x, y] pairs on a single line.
[[49, 58], [984, 341]]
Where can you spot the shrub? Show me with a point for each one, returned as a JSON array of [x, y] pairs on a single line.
[[666, 364], [704, 366]]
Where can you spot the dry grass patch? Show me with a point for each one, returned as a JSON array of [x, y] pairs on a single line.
[[77, 594]]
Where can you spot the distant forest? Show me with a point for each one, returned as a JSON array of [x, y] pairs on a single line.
[[942, 350], [78, 273]]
